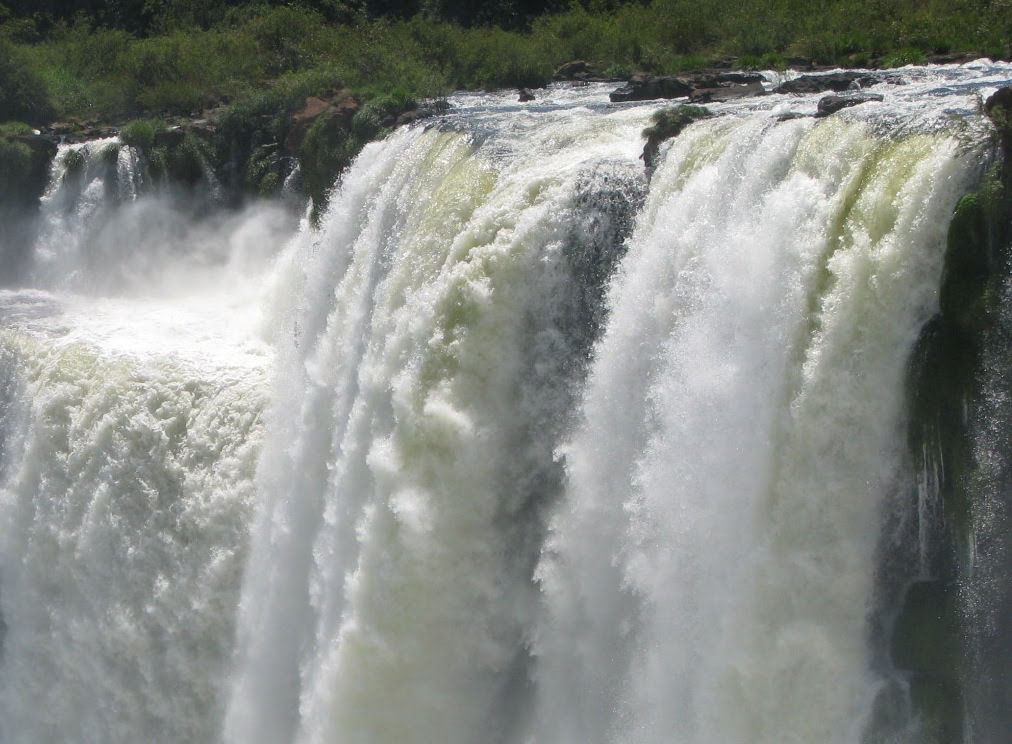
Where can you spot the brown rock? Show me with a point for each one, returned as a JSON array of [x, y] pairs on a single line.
[[339, 109]]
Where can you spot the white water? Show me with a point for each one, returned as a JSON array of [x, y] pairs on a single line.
[[389, 492]]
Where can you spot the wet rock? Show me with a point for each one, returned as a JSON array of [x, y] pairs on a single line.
[[833, 103], [433, 108], [998, 108], [668, 123], [59, 129], [526, 96], [726, 93], [925, 645], [837, 82], [644, 87], [711, 79], [172, 137]]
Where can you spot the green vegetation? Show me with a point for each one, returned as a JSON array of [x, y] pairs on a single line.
[[665, 124], [138, 58], [15, 165], [668, 123], [141, 133]]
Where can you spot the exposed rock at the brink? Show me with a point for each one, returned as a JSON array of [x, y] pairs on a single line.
[[836, 82], [525, 95], [717, 94], [701, 87], [833, 103], [998, 108], [668, 123], [425, 111], [645, 87]]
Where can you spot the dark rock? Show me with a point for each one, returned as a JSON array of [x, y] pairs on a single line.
[[41, 146], [831, 104], [59, 128], [202, 127], [953, 58], [24, 167], [740, 78], [433, 108], [866, 81], [923, 638], [579, 71], [925, 645], [169, 137], [837, 82], [998, 106], [791, 115], [668, 123], [644, 87], [415, 115], [711, 79], [726, 93], [525, 95]]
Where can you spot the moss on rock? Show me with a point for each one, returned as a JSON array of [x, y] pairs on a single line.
[[668, 123]]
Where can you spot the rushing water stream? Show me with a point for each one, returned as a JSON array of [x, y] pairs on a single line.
[[514, 447]]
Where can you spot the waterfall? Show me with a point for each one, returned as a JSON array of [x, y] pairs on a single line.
[[513, 447], [715, 554]]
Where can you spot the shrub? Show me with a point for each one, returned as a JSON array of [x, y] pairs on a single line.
[[901, 57], [668, 123], [141, 133], [23, 93], [15, 129], [73, 162], [15, 169]]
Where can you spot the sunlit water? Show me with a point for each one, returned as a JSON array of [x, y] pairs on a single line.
[[513, 447]]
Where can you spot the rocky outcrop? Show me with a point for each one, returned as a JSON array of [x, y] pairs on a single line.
[[833, 103], [579, 71], [420, 113], [644, 87], [526, 95], [727, 92], [836, 82], [668, 123], [708, 86], [338, 110], [998, 108], [24, 165]]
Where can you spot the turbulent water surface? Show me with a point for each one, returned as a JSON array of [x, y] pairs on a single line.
[[513, 447]]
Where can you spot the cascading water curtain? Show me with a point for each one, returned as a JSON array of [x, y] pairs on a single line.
[[513, 447]]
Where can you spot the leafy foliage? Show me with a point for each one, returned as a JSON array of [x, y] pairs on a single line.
[[124, 59], [23, 94]]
